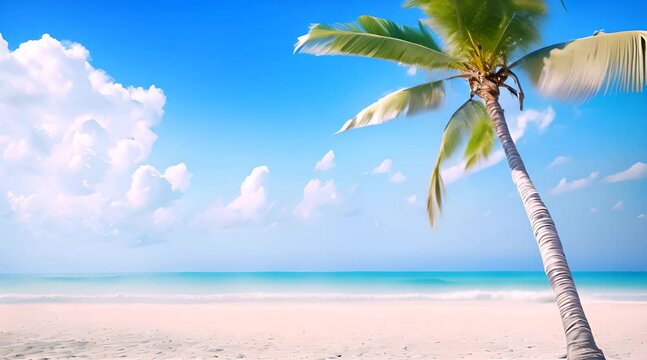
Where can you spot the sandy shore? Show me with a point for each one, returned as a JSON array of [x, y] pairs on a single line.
[[318, 330]]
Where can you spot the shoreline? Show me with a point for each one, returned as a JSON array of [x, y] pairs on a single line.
[[313, 330]]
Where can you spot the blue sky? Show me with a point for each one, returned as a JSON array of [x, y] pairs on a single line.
[[237, 103]]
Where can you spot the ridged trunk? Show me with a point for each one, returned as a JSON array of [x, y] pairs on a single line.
[[579, 338]]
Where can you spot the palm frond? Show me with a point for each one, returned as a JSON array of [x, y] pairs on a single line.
[[582, 68], [481, 141], [407, 101], [376, 38], [472, 120], [495, 29]]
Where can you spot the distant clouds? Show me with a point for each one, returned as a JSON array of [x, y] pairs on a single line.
[[620, 205], [251, 203], [634, 172], [383, 168], [397, 178], [566, 186], [78, 157], [411, 199], [327, 162], [386, 167], [253, 194], [540, 118], [316, 195], [559, 160]]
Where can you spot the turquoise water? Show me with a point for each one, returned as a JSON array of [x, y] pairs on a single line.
[[303, 286]]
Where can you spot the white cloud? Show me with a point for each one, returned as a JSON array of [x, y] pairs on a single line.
[[74, 143], [620, 205], [397, 178], [565, 186], [411, 199], [542, 119], [641, 216], [327, 162], [411, 70], [315, 196], [250, 205], [383, 168], [559, 160], [164, 217], [179, 177], [635, 172], [149, 189], [253, 194]]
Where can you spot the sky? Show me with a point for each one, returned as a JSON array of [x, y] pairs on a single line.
[[168, 136]]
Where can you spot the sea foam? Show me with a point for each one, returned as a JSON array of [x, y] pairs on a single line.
[[469, 295]]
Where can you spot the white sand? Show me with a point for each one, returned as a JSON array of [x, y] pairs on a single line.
[[316, 330]]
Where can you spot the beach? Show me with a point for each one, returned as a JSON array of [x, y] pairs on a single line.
[[362, 329]]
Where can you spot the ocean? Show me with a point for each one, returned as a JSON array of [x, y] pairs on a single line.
[[199, 287]]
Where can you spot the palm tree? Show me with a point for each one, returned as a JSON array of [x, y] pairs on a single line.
[[481, 38]]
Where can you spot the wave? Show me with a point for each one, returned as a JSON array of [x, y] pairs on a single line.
[[468, 295], [472, 295]]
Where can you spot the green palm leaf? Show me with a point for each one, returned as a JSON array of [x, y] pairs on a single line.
[[376, 38], [472, 120], [580, 69], [481, 141], [408, 101], [484, 32]]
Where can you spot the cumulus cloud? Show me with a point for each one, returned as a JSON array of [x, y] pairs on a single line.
[[253, 194], [179, 177], [635, 172], [566, 186], [542, 119], [397, 178], [383, 168], [620, 205], [559, 160], [164, 217], [149, 189], [316, 195], [74, 142], [327, 162], [411, 199], [250, 205]]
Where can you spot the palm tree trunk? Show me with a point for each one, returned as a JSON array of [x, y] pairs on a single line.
[[579, 338]]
